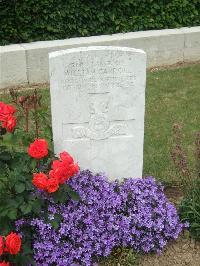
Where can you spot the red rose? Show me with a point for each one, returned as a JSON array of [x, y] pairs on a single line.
[[40, 180], [10, 109], [75, 168], [60, 175], [5, 110], [63, 169], [2, 107], [65, 156], [13, 243], [60, 171], [52, 175], [6, 116], [52, 185], [56, 164], [3, 263], [1, 245], [38, 149], [9, 123]]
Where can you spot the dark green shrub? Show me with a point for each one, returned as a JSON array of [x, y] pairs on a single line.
[[32, 20]]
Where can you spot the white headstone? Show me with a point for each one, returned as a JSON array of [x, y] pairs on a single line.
[[97, 101]]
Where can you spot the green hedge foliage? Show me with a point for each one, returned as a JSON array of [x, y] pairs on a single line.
[[33, 20]]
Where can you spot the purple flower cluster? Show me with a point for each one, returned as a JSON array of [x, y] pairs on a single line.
[[134, 214]]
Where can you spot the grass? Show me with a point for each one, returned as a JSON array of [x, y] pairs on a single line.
[[172, 96]]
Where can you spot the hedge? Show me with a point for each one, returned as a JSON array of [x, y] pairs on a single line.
[[33, 20]]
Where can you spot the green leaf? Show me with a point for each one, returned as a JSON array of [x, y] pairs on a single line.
[[5, 156], [27, 250], [19, 187], [56, 221], [72, 194], [4, 212], [195, 225], [33, 163], [19, 200], [12, 203], [37, 205], [60, 196], [55, 224], [12, 214], [29, 186], [26, 208]]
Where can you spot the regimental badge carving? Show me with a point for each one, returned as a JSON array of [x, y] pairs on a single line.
[[99, 126]]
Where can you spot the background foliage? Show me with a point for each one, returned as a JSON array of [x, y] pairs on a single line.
[[32, 20]]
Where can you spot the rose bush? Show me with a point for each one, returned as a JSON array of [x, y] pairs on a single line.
[[23, 172]]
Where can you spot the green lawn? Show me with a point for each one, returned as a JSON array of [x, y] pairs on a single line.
[[172, 96]]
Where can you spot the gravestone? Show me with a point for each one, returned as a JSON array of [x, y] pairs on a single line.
[[97, 103]]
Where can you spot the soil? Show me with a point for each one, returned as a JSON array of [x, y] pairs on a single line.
[[182, 252], [176, 65], [174, 194]]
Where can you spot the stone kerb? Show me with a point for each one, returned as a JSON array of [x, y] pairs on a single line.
[[191, 44], [13, 68], [163, 47]]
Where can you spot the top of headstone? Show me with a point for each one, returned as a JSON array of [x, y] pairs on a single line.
[[95, 48]]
